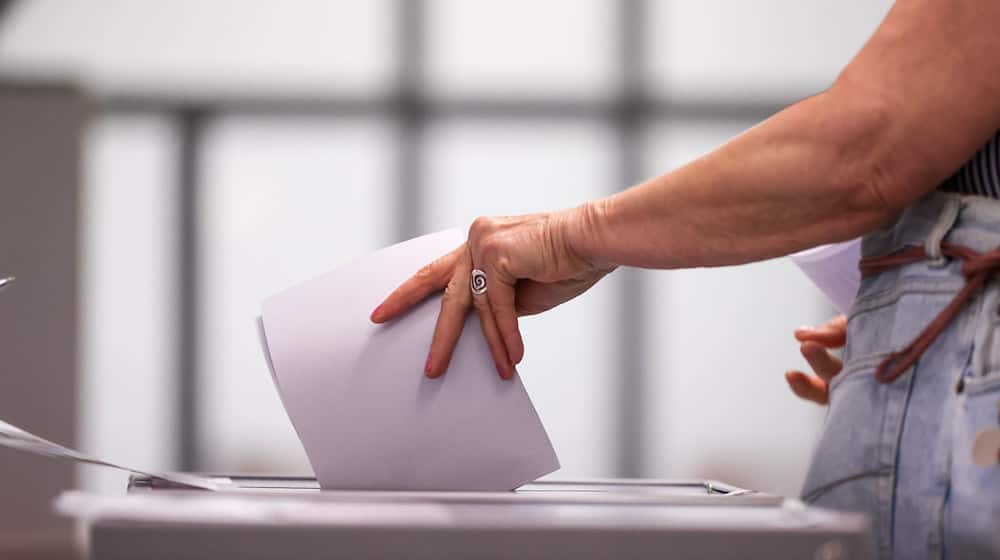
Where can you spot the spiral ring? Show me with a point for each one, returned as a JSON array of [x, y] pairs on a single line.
[[478, 282]]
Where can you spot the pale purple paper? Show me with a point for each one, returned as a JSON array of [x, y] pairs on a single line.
[[834, 269], [357, 396]]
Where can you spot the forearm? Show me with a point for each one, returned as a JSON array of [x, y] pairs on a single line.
[[915, 103], [805, 177]]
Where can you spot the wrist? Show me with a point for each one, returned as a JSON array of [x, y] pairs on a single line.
[[585, 234]]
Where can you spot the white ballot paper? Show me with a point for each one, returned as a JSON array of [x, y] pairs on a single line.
[[834, 270], [357, 396], [15, 438]]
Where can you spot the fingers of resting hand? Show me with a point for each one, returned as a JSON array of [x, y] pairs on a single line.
[[825, 364], [501, 298], [425, 282], [832, 334], [451, 320], [493, 338], [808, 387]]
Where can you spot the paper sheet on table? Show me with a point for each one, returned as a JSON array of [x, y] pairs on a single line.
[[834, 269], [15, 438], [357, 396]]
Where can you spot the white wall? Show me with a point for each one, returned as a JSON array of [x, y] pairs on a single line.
[[284, 201], [738, 51], [721, 342], [201, 48], [128, 312]]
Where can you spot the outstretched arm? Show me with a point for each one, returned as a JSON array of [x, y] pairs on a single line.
[[917, 102]]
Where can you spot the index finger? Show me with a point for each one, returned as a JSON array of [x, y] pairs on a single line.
[[430, 279], [501, 299]]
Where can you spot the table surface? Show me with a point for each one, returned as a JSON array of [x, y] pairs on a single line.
[[260, 519], [591, 505]]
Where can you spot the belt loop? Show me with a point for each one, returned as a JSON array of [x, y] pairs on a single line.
[[946, 220]]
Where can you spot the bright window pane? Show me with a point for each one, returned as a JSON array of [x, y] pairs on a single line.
[[128, 318], [718, 404], [738, 50], [513, 167], [284, 201], [522, 47], [193, 47]]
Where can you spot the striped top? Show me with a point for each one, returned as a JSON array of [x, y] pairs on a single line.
[[980, 175]]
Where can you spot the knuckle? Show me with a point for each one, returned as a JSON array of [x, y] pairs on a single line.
[[480, 228], [502, 264], [456, 292], [481, 304], [505, 307], [480, 224], [490, 248], [426, 273]]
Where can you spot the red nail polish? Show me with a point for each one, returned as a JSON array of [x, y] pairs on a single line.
[[374, 314], [427, 366], [500, 373]]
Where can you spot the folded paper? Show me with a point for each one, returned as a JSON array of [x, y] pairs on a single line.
[[355, 392], [834, 270]]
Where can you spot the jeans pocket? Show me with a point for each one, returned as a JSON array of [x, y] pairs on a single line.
[[974, 498], [848, 454], [986, 363], [848, 471]]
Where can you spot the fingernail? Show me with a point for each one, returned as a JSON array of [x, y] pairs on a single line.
[[427, 365], [374, 315], [500, 373]]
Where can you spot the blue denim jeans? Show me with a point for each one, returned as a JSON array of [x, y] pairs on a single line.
[[902, 452]]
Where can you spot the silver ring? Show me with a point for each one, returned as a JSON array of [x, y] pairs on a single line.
[[478, 282]]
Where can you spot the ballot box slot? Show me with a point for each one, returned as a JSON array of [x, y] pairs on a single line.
[[666, 488], [651, 487], [594, 492]]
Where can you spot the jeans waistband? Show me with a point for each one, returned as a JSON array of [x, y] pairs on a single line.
[[972, 221]]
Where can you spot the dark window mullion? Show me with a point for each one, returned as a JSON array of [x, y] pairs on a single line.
[[411, 116], [631, 375], [191, 128]]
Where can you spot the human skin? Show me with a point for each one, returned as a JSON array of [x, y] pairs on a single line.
[[815, 344], [919, 99]]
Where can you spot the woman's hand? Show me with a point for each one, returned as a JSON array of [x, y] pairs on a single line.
[[816, 343], [530, 267]]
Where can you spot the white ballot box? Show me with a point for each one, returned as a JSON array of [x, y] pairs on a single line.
[[256, 518]]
